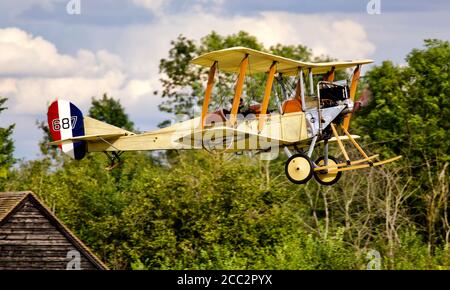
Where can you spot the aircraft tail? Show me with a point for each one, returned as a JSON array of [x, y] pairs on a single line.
[[72, 131], [65, 121]]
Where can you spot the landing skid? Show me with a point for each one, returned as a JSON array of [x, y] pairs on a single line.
[[366, 161], [344, 167]]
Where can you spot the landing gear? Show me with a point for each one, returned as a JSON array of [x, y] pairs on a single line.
[[327, 176], [114, 158], [299, 168], [327, 170]]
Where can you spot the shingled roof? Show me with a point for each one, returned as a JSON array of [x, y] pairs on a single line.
[[16, 236], [8, 201]]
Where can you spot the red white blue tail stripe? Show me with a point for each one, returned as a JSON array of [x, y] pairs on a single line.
[[65, 121]]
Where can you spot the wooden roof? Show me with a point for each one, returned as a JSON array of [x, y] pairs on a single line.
[[12, 201], [229, 60], [8, 202]]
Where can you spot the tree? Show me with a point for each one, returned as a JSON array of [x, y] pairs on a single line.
[[6, 145], [46, 138], [411, 104], [410, 112], [179, 76], [297, 52], [110, 111], [429, 103]]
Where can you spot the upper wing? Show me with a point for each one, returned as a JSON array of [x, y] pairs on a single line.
[[229, 60]]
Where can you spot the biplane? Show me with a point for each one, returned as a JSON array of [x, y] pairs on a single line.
[[312, 112]]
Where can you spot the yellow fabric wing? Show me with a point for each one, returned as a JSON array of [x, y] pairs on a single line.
[[229, 60]]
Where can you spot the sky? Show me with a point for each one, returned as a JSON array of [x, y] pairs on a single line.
[[77, 49]]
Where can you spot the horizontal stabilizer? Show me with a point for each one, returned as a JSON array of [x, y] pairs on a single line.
[[96, 127], [98, 137]]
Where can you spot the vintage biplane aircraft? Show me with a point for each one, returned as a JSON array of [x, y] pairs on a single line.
[[311, 114]]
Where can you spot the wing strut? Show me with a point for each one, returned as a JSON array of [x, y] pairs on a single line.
[[208, 91], [353, 86], [238, 92], [265, 103]]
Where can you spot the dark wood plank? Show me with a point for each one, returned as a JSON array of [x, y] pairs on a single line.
[[28, 240]]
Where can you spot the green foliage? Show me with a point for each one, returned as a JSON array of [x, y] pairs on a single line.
[[298, 52], [410, 113], [214, 41], [46, 138], [307, 252], [6, 147], [204, 212], [179, 75], [411, 104], [197, 214], [413, 254], [387, 111], [110, 111], [429, 82]]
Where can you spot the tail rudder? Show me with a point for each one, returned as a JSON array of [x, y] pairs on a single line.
[[65, 121]]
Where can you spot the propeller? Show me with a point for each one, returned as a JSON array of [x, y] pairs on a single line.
[[364, 100]]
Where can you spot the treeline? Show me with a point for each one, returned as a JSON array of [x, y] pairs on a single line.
[[195, 210]]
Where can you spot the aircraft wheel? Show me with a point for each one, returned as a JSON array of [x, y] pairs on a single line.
[[327, 178], [298, 168]]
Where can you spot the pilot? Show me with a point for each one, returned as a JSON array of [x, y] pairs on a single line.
[[244, 109], [241, 108]]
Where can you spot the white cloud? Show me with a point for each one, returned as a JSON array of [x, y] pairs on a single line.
[[31, 95], [155, 6], [324, 34], [23, 54], [35, 73], [331, 35]]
